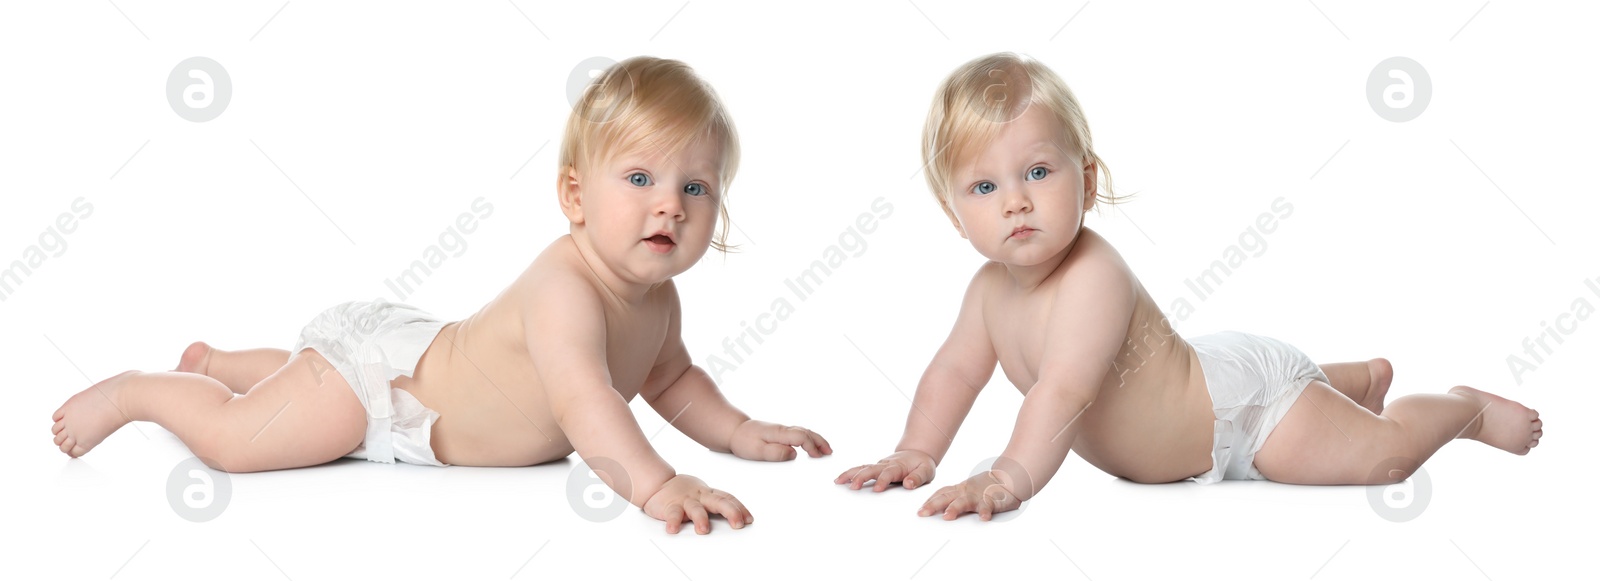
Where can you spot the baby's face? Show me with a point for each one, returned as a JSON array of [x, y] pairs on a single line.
[[1022, 199], [650, 216]]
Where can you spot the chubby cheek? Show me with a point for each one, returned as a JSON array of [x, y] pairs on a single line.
[[697, 231], [611, 224]]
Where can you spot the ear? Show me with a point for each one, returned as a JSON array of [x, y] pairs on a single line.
[[569, 194], [953, 221], [1091, 183]]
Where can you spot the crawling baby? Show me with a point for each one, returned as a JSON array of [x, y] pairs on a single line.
[[1010, 160], [546, 368]]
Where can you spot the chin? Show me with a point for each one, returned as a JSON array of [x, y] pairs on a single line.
[[1033, 256]]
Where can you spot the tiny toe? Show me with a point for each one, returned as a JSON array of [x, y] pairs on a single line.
[[57, 427], [58, 414], [67, 444], [61, 437], [78, 451]]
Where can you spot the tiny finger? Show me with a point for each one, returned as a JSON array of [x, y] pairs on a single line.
[[937, 502], [961, 505], [867, 473], [920, 475], [697, 513], [847, 475], [674, 518], [730, 508], [822, 443], [891, 474]]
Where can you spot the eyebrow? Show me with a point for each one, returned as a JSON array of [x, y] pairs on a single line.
[[1047, 145]]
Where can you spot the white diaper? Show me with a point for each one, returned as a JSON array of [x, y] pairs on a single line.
[[370, 344], [1253, 381]]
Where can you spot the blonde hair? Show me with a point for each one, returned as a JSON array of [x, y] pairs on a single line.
[[979, 97], [648, 103]]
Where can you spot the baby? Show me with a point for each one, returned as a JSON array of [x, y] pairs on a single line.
[[546, 368], [1010, 160]]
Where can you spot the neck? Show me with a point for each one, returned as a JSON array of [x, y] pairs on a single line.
[[617, 288]]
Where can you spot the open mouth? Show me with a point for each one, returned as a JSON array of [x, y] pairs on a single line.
[[661, 243]]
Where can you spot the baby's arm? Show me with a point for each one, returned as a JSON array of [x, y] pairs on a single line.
[[566, 334], [1085, 331], [945, 394], [685, 395]]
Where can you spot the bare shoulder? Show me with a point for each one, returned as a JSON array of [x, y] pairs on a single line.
[[1094, 270], [556, 283], [986, 279]]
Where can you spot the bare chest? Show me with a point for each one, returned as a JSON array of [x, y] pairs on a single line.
[[1017, 330], [633, 342]]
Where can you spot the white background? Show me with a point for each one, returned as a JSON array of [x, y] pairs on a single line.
[[1439, 243]]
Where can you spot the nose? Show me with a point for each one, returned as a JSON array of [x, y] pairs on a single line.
[[1017, 202], [669, 205]]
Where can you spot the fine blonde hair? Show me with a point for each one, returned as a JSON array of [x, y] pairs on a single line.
[[651, 104], [979, 97]]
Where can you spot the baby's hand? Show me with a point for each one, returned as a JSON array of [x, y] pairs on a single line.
[[983, 494], [686, 498], [908, 467], [756, 440]]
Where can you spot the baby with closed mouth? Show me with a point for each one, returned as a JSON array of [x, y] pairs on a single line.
[[1011, 162]]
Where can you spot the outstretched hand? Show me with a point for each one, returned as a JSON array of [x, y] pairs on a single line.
[[769, 442], [983, 494], [910, 468], [685, 498]]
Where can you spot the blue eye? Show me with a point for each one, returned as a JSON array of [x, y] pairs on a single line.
[[639, 179], [1037, 173], [694, 190], [983, 188]]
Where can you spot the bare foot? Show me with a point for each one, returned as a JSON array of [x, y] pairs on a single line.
[[1505, 424], [88, 417], [195, 359], [1378, 389]]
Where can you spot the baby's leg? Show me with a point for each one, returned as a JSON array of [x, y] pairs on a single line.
[[1364, 382], [1328, 439], [294, 417], [239, 370]]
